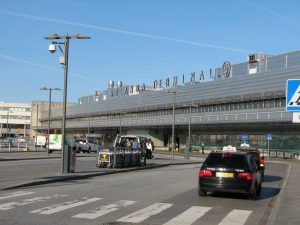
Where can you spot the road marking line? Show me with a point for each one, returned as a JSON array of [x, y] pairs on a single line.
[[189, 216], [236, 217], [145, 213], [16, 194], [11, 205], [63, 206], [95, 213]]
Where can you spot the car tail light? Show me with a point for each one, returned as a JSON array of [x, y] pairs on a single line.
[[205, 173], [261, 161], [247, 176]]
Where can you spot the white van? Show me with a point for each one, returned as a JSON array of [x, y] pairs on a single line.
[[55, 142], [41, 141]]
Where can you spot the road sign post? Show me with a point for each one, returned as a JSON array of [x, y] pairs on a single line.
[[269, 138]]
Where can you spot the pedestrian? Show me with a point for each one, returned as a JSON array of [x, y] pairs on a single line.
[[149, 149], [135, 144], [202, 148], [128, 143]]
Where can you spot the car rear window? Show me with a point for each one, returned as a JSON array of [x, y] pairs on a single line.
[[226, 161], [255, 154]]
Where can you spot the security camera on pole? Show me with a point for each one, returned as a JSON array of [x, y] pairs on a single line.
[[65, 168]]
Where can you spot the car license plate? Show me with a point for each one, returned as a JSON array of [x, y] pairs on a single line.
[[221, 174]]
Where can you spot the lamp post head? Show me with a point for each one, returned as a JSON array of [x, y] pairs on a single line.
[[81, 36], [49, 89], [53, 36]]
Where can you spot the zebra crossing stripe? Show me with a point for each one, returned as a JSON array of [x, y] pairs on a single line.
[[63, 206], [16, 194], [145, 213], [95, 213], [236, 217], [11, 205], [189, 216]]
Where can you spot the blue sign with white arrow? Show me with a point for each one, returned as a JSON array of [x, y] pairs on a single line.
[[245, 137], [269, 137], [293, 95]]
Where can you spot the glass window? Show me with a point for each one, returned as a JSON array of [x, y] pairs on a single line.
[[283, 102], [278, 102], [226, 160]]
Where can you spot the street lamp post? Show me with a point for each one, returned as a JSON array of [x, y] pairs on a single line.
[[9, 111], [64, 61], [122, 115], [174, 92], [37, 121], [49, 114], [189, 138]]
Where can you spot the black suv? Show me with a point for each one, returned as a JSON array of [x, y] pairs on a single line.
[[258, 157], [230, 172]]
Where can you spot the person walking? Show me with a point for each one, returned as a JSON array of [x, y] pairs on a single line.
[[149, 149]]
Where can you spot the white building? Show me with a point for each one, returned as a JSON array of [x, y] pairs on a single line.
[[15, 119]]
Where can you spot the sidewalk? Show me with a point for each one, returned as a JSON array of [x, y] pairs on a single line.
[[285, 209]]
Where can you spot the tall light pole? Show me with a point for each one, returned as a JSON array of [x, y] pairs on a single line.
[[64, 61], [37, 125], [189, 138], [122, 115], [9, 111], [174, 92], [49, 114]]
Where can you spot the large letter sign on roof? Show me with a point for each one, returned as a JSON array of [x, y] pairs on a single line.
[[293, 95]]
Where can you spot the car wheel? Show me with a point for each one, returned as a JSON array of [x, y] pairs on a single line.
[[259, 189], [253, 194], [201, 193]]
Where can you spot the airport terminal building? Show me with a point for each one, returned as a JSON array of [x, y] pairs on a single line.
[[230, 104]]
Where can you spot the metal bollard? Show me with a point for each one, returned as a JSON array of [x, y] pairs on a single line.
[[115, 156], [9, 146]]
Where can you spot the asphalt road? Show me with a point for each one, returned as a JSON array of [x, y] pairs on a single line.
[[23, 171], [159, 196]]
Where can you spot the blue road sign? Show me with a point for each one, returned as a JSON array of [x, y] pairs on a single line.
[[269, 137], [293, 95], [245, 137]]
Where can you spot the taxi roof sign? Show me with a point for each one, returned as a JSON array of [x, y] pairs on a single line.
[[229, 148]]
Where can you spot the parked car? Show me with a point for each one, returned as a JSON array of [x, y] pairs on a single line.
[[86, 145], [258, 157], [121, 140], [226, 171]]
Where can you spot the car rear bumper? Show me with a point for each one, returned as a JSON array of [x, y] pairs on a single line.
[[231, 187]]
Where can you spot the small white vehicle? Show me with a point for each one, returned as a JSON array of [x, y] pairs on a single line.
[[41, 141], [86, 145], [121, 140], [55, 142]]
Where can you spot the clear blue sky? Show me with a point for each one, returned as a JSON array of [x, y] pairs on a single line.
[[136, 41]]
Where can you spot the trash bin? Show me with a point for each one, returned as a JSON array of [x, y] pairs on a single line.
[[73, 159]]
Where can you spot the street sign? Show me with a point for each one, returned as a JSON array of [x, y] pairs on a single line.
[[245, 137], [293, 95], [269, 137], [296, 117]]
